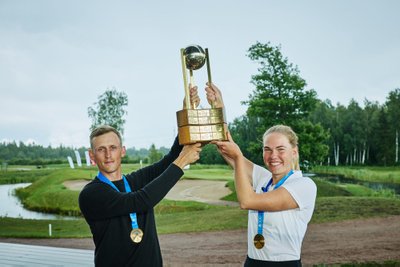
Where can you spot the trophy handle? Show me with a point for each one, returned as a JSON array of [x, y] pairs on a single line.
[[191, 78], [185, 84], [209, 73]]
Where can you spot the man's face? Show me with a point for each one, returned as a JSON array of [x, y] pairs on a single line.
[[278, 154], [107, 153]]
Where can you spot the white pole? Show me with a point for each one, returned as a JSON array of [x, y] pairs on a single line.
[[71, 163], [397, 147], [49, 229], [78, 158], [87, 158]]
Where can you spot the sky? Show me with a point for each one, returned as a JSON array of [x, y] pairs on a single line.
[[58, 57]]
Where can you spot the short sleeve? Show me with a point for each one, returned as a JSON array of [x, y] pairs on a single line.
[[303, 190], [260, 176]]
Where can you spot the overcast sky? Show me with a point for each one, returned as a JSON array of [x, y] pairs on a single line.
[[57, 57]]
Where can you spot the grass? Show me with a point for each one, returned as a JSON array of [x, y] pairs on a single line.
[[335, 202], [25, 228], [180, 216], [232, 196], [183, 217], [217, 218], [209, 174], [326, 189], [48, 194], [15, 176], [371, 174], [339, 208]]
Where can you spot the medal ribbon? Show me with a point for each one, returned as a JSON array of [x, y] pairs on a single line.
[[265, 189], [127, 190]]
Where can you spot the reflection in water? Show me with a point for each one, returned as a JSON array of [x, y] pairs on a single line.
[[12, 207]]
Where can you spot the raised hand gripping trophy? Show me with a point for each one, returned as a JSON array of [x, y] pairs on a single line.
[[198, 125]]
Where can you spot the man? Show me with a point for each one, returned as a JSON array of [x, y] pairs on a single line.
[[119, 209]]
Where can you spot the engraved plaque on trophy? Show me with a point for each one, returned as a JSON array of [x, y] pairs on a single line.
[[198, 125]]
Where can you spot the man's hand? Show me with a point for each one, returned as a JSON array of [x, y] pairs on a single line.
[[214, 96], [188, 155], [194, 97]]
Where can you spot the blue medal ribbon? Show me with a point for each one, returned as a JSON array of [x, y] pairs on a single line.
[[265, 189], [104, 179]]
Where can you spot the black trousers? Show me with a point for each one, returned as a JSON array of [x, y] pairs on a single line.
[[257, 263]]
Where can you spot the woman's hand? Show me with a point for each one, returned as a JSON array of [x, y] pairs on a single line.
[[214, 96], [229, 148]]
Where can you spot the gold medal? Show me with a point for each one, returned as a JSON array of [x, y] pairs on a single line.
[[259, 241], [136, 235]]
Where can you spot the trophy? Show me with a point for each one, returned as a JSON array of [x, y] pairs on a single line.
[[198, 125]]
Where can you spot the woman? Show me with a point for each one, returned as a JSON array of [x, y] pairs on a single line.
[[280, 200]]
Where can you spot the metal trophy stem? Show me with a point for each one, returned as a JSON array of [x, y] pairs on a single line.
[[209, 72], [185, 84]]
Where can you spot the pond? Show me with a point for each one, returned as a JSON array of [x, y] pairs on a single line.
[[12, 207], [373, 185]]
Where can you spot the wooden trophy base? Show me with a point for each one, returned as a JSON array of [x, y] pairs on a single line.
[[201, 125]]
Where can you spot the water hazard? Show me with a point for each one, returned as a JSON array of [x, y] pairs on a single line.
[[12, 207]]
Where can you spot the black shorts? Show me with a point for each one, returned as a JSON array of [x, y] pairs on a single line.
[[257, 263]]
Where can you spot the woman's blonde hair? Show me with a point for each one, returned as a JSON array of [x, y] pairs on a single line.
[[291, 136]]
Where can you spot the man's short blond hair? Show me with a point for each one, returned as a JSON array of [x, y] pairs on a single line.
[[103, 129]]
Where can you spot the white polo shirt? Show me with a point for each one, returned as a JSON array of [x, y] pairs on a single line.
[[283, 230]]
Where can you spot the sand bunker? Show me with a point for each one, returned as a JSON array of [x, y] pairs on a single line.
[[194, 190]]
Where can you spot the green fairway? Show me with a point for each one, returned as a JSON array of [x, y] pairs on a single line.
[[335, 202]]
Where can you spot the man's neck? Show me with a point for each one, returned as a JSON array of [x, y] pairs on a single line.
[[114, 176]]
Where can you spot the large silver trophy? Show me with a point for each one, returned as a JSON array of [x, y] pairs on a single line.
[[198, 125]]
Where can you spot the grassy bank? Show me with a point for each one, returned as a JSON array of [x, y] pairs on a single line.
[[47, 193], [22, 176], [371, 174], [197, 217]]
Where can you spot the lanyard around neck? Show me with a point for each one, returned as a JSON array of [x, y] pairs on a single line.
[[104, 179], [265, 189], [281, 181]]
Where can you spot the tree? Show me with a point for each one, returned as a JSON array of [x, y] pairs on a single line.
[[393, 110], [154, 154], [210, 155], [243, 131], [326, 115], [312, 143], [280, 97], [372, 112], [355, 134], [109, 109], [383, 143]]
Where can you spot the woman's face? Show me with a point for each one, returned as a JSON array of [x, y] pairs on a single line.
[[278, 154]]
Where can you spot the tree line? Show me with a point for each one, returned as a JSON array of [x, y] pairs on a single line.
[[361, 135], [352, 134], [328, 134], [14, 153]]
